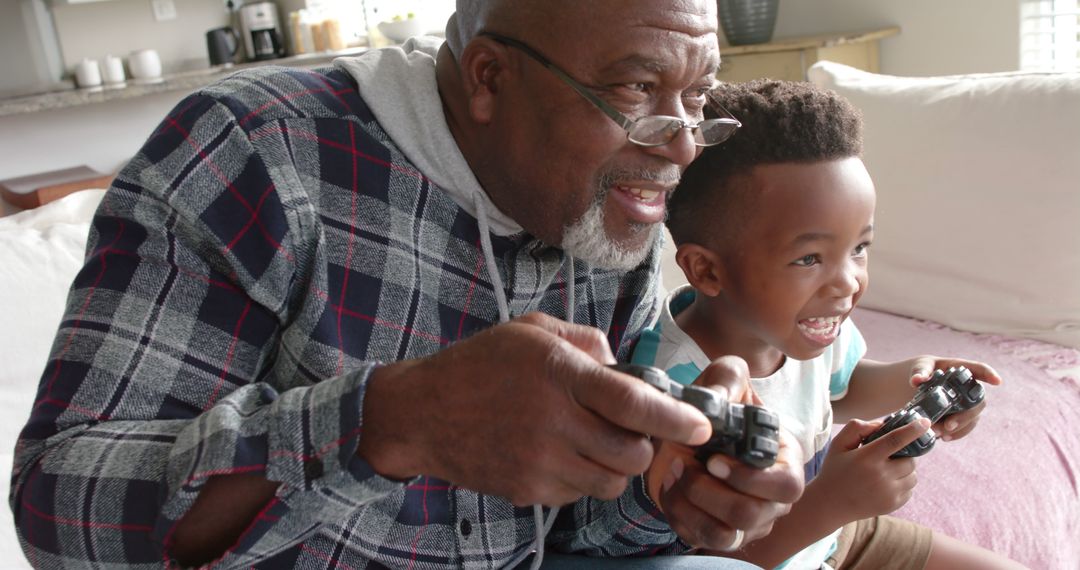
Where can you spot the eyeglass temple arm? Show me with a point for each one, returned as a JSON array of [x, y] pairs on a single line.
[[616, 116], [716, 102]]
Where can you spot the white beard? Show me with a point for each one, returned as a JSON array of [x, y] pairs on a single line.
[[586, 239]]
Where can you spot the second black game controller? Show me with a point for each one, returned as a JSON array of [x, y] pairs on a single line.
[[945, 393], [748, 433]]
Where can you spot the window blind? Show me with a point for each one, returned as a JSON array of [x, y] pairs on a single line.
[[1050, 35]]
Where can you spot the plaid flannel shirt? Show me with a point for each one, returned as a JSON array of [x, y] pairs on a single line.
[[264, 250]]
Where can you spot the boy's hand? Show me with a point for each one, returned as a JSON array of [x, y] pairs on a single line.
[[960, 424], [705, 506], [863, 481]]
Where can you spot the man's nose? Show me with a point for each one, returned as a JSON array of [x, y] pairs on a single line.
[[680, 150]]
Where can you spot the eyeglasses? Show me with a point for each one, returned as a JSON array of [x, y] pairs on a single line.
[[648, 131]]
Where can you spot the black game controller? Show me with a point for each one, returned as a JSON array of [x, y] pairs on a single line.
[[943, 394], [748, 433]]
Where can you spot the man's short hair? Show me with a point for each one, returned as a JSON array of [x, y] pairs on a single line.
[[783, 121]]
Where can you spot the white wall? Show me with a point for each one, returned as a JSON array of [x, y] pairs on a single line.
[[937, 37], [97, 29], [101, 135]]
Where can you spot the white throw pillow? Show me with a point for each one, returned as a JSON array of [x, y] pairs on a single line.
[[978, 182], [41, 250]]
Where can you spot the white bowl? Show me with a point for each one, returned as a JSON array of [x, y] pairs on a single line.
[[401, 30]]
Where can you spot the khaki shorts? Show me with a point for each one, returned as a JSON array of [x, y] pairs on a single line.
[[882, 542]]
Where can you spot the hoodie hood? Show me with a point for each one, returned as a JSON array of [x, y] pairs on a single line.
[[398, 85]]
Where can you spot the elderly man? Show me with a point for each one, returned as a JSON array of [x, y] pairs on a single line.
[[285, 348]]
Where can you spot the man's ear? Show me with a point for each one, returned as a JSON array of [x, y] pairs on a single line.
[[482, 66], [702, 267]]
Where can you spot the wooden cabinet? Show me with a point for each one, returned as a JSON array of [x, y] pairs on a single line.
[[789, 58]]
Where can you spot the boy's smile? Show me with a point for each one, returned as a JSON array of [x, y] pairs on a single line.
[[822, 330], [797, 266]]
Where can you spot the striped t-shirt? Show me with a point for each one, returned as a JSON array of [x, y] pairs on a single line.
[[801, 391]]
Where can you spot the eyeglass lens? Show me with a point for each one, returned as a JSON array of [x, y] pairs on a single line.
[[715, 131], [659, 130]]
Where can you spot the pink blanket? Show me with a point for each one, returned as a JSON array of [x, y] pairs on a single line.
[[1011, 485]]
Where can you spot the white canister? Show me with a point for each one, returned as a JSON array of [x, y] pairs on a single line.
[[112, 71], [145, 65], [88, 74]]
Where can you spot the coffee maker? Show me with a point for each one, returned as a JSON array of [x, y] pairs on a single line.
[[261, 31]]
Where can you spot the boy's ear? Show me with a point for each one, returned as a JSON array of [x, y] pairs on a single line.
[[702, 268]]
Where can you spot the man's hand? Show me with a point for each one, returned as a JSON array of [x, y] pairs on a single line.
[[955, 426], [525, 410], [707, 505]]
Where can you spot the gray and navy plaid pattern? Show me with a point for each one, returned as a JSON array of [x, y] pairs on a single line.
[[265, 249]]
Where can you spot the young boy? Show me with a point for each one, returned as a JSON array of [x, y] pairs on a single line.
[[773, 229]]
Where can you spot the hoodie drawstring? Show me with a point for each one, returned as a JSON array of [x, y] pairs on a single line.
[[541, 527]]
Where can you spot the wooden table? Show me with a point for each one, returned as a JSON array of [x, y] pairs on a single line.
[[789, 58], [26, 192]]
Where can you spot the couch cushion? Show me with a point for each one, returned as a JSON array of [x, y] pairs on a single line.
[[978, 217], [40, 252], [1010, 486]]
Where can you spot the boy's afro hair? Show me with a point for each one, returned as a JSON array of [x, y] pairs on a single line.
[[782, 121]]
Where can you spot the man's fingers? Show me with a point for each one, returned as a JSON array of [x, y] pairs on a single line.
[[781, 483], [611, 447], [693, 525], [585, 338], [587, 478], [705, 512], [634, 405], [897, 439], [718, 498]]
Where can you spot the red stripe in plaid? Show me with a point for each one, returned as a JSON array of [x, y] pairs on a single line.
[[59, 358], [419, 531], [230, 471], [375, 320], [325, 557], [291, 96], [231, 188], [349, 252], [330, 143], [321, 451], [252, 219], [228, 356], [472, 289]]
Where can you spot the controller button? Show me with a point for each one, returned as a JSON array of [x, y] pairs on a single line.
[[764, 445], [767, 419]]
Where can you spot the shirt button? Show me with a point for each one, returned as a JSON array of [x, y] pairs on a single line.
[[466, 527], [313, 468]]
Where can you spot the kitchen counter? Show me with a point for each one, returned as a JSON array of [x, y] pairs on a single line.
[[183, 81]]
